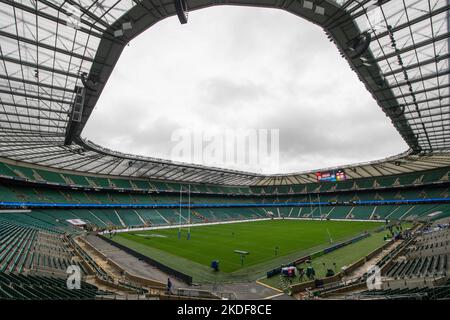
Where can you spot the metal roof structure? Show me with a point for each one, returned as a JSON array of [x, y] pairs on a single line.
[[57, 55]]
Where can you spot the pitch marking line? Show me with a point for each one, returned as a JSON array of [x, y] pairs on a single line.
[[270, 287], [274, 296]]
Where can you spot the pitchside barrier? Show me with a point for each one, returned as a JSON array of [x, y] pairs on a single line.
[[175, 273], [317, 254]]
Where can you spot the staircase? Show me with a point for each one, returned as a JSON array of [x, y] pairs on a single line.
[[198, 215]]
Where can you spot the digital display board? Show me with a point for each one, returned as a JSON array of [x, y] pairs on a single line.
[[333, 176]]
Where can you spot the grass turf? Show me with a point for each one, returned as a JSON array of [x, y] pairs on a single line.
[[342, 257], [293, 238]]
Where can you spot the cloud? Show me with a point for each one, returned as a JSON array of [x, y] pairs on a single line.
[[237, 67], [219, 92]]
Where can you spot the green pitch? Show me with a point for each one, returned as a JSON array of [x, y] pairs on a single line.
[[270, 243]]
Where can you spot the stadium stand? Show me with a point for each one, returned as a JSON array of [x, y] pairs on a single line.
[[435, 293], [420, 268], [29, 174], [33, 287], [357, 204], [27, 246]]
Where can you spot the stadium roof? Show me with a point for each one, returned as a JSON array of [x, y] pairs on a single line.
[[56, 57]]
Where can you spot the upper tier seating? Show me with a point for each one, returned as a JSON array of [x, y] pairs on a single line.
[[52, 176], [31, 194]]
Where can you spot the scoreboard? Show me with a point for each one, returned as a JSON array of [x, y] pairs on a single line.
[[333, 176]]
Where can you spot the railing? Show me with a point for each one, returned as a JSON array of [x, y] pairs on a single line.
[[336, 285], [181, 293], [406, 296], [203, 294], [41, 270], [124, 297]]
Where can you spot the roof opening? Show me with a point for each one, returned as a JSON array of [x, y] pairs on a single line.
[[241, 68]]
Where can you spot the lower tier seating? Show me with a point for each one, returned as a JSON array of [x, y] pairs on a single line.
[[57, 220], [26, 249], [30, 287], [437, 293], [431, 266]]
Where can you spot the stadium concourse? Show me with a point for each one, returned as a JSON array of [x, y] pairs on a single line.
[[62, 197]]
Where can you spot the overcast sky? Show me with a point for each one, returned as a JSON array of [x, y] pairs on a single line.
[[234, 67]]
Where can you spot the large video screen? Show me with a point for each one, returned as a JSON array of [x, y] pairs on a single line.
[[333, 176]]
